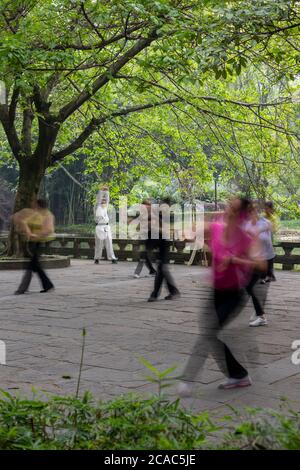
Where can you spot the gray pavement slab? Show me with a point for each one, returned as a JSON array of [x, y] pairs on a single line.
[[43, 336]]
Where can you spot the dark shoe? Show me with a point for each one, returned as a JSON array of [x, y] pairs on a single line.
[[152, 273], [96, 261], [174, 296], [152, 299], [47, 290], [114, 261], [19, 292]]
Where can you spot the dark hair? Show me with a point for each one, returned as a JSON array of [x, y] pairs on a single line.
[[146, 202], [246, 204], [269, 205], [42, 203], [166, 200]]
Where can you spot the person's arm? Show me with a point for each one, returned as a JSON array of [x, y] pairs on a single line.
[[95, 211], [266, 227], [251, 263], [249, 260], [20, 220]]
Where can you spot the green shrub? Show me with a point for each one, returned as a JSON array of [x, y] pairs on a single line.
[[128, 422], [265, 429]]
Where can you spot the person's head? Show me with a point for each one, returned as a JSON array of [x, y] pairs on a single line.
[[237, 209], [166, 200], [253, 211], [269, 207], [40, 204], [146, 202]]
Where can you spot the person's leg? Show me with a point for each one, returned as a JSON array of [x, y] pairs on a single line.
[[250, 290], [226, 304], [270, 272], [149, 264], [235, 369], [198, 356], [45, 281], [170, 281], [109, 246], [37, 268], [159, 277], [25, 282], [27, 276], [164, 257], [207, 343], [150, 245], [139, 268], [98, 246]]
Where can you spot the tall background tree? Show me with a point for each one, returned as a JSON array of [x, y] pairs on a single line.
[[70, 67]]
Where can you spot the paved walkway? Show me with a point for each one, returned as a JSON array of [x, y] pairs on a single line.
[[42, 333]]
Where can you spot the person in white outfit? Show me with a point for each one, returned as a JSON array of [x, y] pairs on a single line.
[[103, 237], [261, 230]]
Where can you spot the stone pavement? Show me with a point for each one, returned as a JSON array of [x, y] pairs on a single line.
[[43, 336]]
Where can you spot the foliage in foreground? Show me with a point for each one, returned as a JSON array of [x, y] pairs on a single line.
[[124, 423], [130, 422]]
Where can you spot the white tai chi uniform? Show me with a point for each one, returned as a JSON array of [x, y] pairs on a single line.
[[103, 237]]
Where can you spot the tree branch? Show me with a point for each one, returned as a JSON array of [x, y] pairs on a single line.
[[90, 22], [85, 95], [13, 104], [95, 123], [205, 97], [10, 131]]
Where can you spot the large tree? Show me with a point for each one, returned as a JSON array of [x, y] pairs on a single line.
[[68, 64]]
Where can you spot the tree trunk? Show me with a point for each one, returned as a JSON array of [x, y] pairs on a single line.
[[30, 177]]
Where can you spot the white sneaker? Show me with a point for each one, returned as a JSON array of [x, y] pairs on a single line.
[[236, 383], [253, 317], [184, 390], [259, 321], [137, 276]]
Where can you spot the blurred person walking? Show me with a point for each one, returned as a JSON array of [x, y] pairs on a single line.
[[37, 226], [232, 266], [162, 273], [259, 229], [145, 257], [271, 217]]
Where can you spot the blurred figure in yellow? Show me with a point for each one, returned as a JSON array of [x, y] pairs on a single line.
[[36, 225]]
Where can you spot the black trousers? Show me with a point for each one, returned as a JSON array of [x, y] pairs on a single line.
[[256, 276], [220, 308], [34, 267], [163, 273], [145, 258], [270, 268], [226, 303]]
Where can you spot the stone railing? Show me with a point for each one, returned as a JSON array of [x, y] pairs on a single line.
[[129, 250], [125, 250]]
